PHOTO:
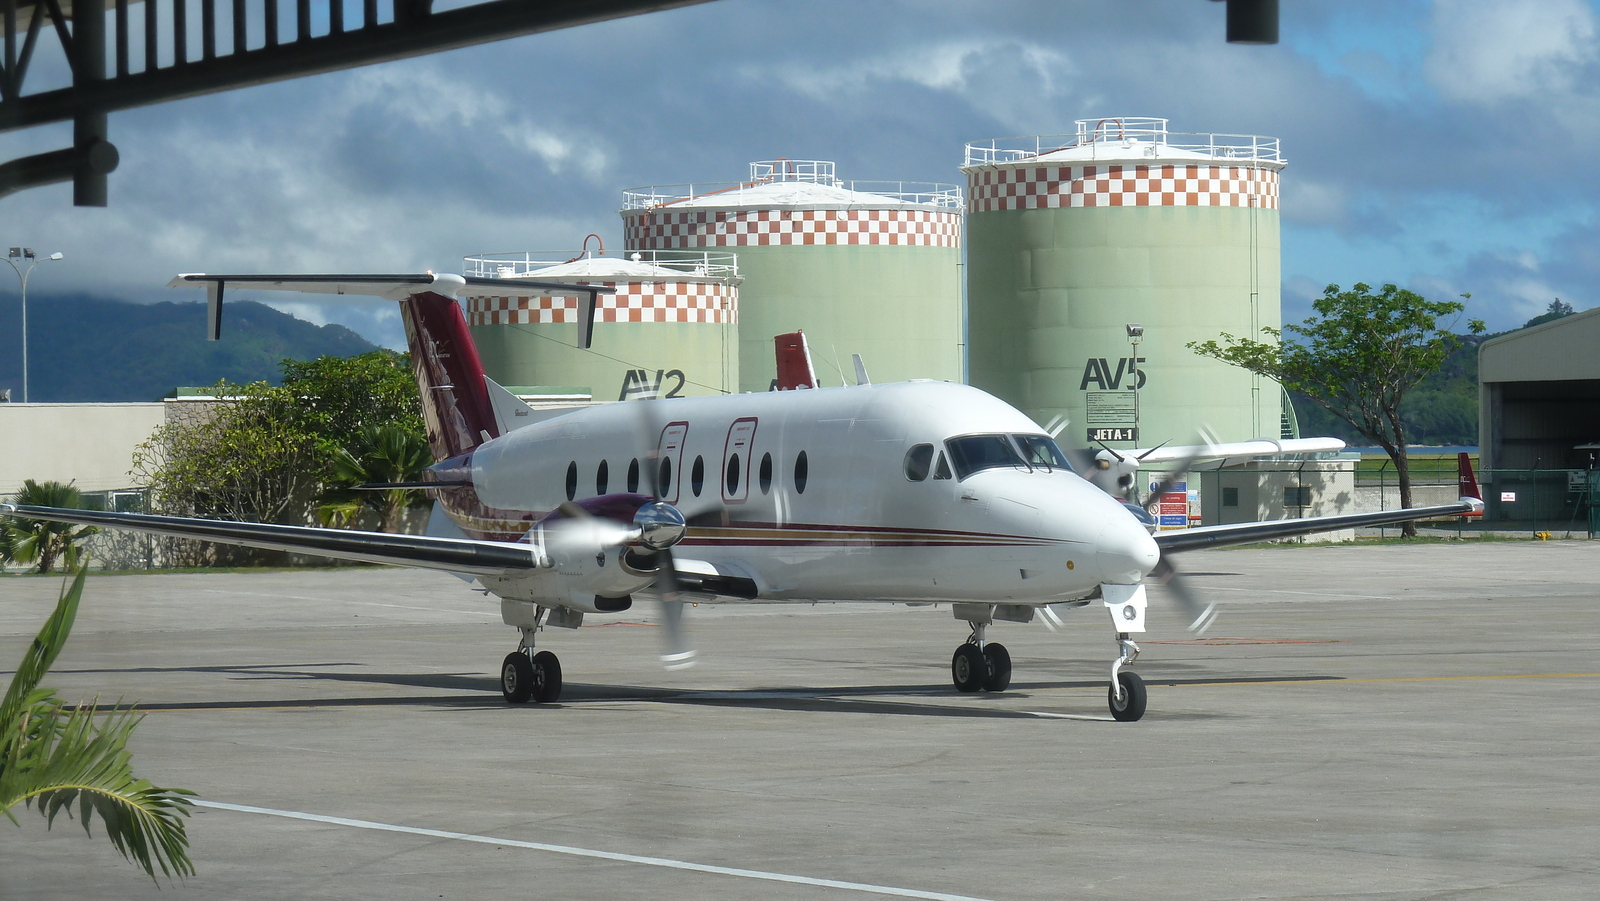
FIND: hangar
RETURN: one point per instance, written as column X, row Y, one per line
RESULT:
column 1539, row 419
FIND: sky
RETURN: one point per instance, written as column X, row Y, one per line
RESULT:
column 1444, row 146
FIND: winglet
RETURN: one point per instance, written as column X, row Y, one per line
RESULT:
column 214, row 311
column 794, row 362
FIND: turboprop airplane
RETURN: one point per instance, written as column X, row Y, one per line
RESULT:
column 913, row 492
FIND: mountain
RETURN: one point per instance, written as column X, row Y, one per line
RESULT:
column 83, row 348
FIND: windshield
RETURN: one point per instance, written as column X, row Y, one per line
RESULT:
column 1041, row 452
column 975, row 453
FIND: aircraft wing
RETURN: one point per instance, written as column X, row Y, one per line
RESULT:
column 1255, row 447
column 457, row 555
column 1251, row 532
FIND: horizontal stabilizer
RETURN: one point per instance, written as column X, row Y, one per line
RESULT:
column 392, row 287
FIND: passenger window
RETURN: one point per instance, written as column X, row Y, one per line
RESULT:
column 918, row 459
column 733, row 475
column 941, row 470
column 802, row 471
column 572, row 480
column 602, row 477
column 697, row 476
column 664, row 484
column 766, row 473
column 633, row 476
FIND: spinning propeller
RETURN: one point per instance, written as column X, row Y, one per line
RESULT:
column 1199, row 613
column 676, row 652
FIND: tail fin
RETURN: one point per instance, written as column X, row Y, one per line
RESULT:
column 794, row 362
column 455, row 399
column 1467, row 482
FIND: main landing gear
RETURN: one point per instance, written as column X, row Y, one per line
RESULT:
column 527, row 675
column 981, row 665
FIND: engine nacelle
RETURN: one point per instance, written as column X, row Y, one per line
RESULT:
column 596, row 552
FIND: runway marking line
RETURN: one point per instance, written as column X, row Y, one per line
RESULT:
column 588, row 852
column 1339, row 681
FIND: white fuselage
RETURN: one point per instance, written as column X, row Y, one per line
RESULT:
column 848, row 523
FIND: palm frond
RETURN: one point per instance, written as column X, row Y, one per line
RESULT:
column 54, row 758
column 44, row 650
column 88, row 766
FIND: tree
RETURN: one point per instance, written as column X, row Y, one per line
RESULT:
column 37, row 541
column 248, row 462
column 57, row 758
column 1557, row 310
column 381, row 453
column 1358, row 356
column 267, row 454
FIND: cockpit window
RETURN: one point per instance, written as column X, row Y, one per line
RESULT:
column 941, row 470
column 1042, row 453
column 975, row 453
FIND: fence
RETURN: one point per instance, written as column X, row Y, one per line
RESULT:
column 1535, row 500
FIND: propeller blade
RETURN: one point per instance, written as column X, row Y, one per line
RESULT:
column 677, row 652
column 1201, row 615
column 1180, row 472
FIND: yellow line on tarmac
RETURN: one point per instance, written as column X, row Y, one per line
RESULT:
column 1341, row 681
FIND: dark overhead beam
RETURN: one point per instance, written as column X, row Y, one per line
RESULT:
column 415, row 31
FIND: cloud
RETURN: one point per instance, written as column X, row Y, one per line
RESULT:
column 1433, row 149
column 1494, row 51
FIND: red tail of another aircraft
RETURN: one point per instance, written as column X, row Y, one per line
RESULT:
column 455, row 398
column 794, row 362
column 1467, row 482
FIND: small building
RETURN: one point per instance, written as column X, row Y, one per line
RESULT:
column 1279, row 488
column 1539, row 420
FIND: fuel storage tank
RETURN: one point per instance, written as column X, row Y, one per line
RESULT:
column 870, row 268
column 1075, row 238
column 670, row 330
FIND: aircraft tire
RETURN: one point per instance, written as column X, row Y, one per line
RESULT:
column 968, row 669
column 516, row 678
column 998, row 661
column 546, row 677
column 1131, row 708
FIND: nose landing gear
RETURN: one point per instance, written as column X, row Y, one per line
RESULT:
column 1127, row 696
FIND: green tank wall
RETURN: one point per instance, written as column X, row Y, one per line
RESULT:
column 898, row 307
column 1049, row 290
column 707, row 354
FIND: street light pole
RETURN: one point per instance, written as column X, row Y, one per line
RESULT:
column 1135, row 335
column 26, row 253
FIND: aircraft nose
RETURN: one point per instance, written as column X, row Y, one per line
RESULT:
column 1125, row 552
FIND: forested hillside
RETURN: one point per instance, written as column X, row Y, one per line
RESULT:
column 84, row 348
column 1443, row 410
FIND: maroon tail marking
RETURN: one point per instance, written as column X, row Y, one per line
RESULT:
column 455, row 399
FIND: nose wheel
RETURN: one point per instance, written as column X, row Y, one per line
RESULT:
column 1127, row 695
